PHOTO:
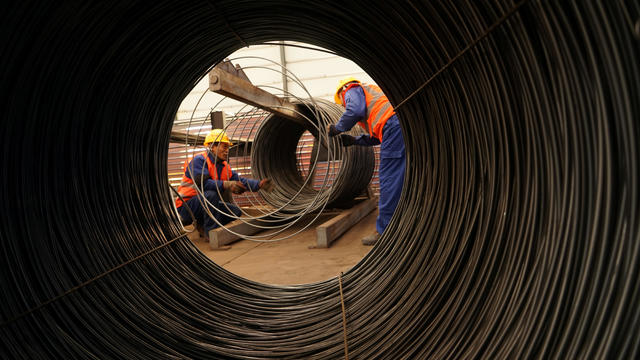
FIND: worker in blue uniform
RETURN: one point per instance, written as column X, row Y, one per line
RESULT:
column 366, row 104
column 210, row 172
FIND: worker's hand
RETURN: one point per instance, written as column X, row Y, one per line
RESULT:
column 236, row 187
column 331, row 129
column 266, row 185
column 346, row 140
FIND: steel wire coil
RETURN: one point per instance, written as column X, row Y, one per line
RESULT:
column 516, row 235
column 274, row 156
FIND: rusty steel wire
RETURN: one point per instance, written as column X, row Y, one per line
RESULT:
column 517, row 234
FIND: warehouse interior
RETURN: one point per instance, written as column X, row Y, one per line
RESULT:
column 517, row 233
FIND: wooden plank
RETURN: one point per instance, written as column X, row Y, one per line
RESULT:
column 334, row 228
column 220, row 237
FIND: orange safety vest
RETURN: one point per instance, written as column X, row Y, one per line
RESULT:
column 187, row 188
column 379, row 109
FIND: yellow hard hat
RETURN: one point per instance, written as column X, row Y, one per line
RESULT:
column 217, row 136
column 343, row 82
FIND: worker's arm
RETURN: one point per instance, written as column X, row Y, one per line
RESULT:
column 251, row 184
column 355, row 109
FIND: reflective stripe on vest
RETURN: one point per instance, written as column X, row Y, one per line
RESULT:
column 187, row 188
column 379, row 109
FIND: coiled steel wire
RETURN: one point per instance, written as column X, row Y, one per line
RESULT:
column 516, row 235
column 348, row 171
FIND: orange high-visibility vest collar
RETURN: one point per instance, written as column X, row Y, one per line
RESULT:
column 187, row 188
column 379, row 109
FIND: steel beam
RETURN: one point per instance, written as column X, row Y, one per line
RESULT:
column 191, row 139
column 239, row 89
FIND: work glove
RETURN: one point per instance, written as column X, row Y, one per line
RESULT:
column 236, row 187
column 266, row 185
column 331, row 129
column 346, row 140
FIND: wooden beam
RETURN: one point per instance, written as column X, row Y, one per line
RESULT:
column 234, row 87
column 220, row 237
column 334, row 228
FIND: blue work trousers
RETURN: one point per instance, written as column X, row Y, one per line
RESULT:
column 220, row 212
column 390, row 172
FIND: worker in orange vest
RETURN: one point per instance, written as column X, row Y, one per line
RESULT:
column 366, row 104
column 210, row 172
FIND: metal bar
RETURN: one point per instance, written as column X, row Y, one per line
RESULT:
column 217, row 120
column 283, row 64
column 191, row 139
column 234, row 87
column 241, row 145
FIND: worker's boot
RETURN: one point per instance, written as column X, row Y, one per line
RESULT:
column 203, row 234
column 371, row 239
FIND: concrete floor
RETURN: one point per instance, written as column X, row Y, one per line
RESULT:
column 292, row 261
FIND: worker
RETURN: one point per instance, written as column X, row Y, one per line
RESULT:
column 210, row 172
column 367, row 105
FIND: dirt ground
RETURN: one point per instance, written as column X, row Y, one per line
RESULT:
column 293, row 260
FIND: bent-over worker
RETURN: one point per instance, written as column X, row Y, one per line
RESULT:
column 367, row 105
column 210, row 172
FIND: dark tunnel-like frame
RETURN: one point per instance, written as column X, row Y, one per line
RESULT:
column 516, row 236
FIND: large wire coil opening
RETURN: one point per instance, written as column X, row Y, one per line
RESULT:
column 517, row 235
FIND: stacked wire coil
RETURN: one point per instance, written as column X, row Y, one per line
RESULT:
column 517, row 235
